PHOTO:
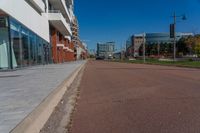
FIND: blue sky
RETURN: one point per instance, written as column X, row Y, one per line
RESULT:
column 116, row 20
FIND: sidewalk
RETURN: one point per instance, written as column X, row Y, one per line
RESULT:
column 23, row 90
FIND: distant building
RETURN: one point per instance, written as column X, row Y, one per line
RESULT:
column 105, row 50
column 133, row 45
column 81, row 51
column 161, row 38
column 134, row 42
column 117, row 55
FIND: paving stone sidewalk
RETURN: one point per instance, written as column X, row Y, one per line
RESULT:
column 23, row 90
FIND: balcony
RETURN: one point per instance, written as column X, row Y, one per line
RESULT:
column 38, row 5
column 61, row 45
column 61, row 5
column 58, row 21
column 65, row 48
column 68, row 49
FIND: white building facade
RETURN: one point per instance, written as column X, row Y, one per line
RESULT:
column 34, row 32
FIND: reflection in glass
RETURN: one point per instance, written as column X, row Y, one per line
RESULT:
column 15, row 42
column 25, row 49
column 4, row 63
column 33, row 53
column 40, row 51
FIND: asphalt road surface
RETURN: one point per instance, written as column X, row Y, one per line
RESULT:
column 134, row 98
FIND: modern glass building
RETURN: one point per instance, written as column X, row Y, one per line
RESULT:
column 161, row 38
column 34, row 32
column 21, row 47
column 105, row 50
column 134, row 42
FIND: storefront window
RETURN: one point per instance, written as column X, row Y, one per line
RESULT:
column 16, row 43
column 4, row 43
column 25, row 46
column 33, row 51
column 40, row 51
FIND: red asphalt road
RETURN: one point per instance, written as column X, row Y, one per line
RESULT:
column 134, row 98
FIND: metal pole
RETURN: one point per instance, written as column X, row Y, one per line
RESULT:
column 121, row 52
column 144, row 49
column 158, row 49
column 174, row 36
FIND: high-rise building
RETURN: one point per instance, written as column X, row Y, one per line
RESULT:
column 80, row 48
column 75, row 31
column 35, row 32
column 105, row 50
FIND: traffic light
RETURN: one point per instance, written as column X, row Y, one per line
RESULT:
column 172, row 30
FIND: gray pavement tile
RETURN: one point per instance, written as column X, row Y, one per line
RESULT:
column 23, row 90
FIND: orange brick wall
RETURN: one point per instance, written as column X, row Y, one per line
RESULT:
column 59, row 54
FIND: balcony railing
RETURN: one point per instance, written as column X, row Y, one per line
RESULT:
column 58, row 21
column 61, row 5
column 38, row 4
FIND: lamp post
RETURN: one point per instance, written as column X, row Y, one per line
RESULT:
column 144, row 48
column 183, row 17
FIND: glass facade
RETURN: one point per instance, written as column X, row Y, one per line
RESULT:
column 20, row 47
column 154, row 38
column 105, row 50
column 4, row 43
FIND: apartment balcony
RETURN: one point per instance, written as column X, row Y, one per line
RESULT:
column 68, row 49
column 58, row 21
column 38, row 5
column 61, row 5
column 65, row 48
column 60, row 45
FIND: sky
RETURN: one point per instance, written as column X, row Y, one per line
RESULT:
column 116, row 20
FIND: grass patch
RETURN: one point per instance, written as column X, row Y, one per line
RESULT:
column 186, row 63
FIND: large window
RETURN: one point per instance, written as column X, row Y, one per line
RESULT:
column 25, row 46
column 4, row 43
column 32, row 49
column 39, row 51
column 15, row 44
column 28, row 48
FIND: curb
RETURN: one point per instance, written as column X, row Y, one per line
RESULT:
column 35, row 121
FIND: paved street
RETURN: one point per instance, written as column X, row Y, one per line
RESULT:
column 23, row 90
column 134, row 98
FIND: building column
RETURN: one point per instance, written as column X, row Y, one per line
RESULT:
column 54, row 45
column 47, row 6
column 65, row 52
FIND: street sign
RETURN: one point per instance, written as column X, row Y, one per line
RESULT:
column 172, row 30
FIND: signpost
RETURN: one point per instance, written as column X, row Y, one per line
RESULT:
column 173, row 31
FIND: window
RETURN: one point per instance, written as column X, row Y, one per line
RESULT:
column 16, row 43
column 4, row 43
column 25, row 46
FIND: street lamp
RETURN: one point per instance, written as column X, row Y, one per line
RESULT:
column 173, row 30
column 144, row 47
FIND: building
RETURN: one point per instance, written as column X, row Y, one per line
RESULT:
column 34, row 32
column 80, row 49
column 162, row 38
column 133, row 45
column 75, row 31
column 105, row 50
column 134, row 42
column 117, row 55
